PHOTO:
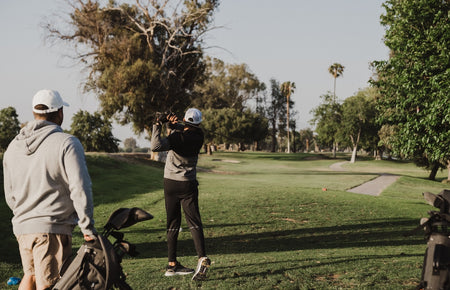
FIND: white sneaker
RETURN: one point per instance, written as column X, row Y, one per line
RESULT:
column 202, row 268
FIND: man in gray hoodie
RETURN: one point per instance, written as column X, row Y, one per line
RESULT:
column 48, row 188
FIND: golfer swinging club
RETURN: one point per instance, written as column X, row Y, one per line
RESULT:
column 181, row 187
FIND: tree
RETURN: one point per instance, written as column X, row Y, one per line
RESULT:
column 275, row 110
column 358, row 119
column 287, row 88
column 9, row 126
column 142, row 58
column 414, row 82
column 226, row 86
column 129, row 144
column 336, row 70
column 229, row 125
column 327, row 118
column 306, row 139
column 94, row 131
column 387, row 134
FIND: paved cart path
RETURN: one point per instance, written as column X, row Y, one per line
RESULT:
column 372, row 187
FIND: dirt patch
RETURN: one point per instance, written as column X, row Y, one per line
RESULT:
column 338, row 166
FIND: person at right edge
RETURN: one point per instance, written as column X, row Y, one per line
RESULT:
column 181, row 187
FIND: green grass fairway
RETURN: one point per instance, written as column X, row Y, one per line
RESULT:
column 269, row 223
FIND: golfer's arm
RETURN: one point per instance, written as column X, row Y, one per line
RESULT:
column 158, row 144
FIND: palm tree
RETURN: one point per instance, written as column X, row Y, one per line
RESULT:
column 287, row 88
column 336, row 70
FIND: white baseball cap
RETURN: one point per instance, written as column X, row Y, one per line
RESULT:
column 50, row 98
column 193, row 116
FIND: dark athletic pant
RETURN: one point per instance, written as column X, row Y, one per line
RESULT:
column 183, row 194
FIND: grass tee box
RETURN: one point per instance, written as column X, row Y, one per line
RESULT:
column 268, row 223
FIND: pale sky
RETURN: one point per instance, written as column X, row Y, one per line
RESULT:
column 288, row 40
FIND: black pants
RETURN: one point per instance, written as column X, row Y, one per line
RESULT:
column 183, row 194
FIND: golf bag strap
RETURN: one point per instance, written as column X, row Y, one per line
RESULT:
column 106, row 257
column 83, row 266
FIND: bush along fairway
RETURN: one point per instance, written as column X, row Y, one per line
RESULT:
column 281, row 221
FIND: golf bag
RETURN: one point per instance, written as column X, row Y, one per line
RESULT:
column 97, row 263
column 436, row 266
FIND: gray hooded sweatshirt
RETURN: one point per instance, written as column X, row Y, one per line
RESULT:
column 47, row 184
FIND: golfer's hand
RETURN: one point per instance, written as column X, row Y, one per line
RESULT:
column 173, row 119
column 88, row 238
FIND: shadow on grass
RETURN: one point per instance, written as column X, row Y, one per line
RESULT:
column 296, row 264
column 363, row 235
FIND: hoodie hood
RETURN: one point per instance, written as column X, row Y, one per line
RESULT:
column 33, row 134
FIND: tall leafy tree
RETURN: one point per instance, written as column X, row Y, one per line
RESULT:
column 386, row 134
column 229, row 125
column 358, row 119
column 306, row 139
column 336, row 70
column 226, row 86
column 276, row 110
column 9, row 126
column 94, row 132
column 327, row 118
column 287, row 89
column 415, row 81
column 141, row 58
column 130, row 144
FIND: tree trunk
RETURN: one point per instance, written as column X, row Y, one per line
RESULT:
column 355, row 147
column 334, row 91
column 334, row 150
column 379, row 154
column 274, row 141
column 293, row 143
column 208, row 149
column 434, row 170
column 448, row 169
column 288, row 129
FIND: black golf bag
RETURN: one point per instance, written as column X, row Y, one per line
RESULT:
column 97, row 263
column 436, row 266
